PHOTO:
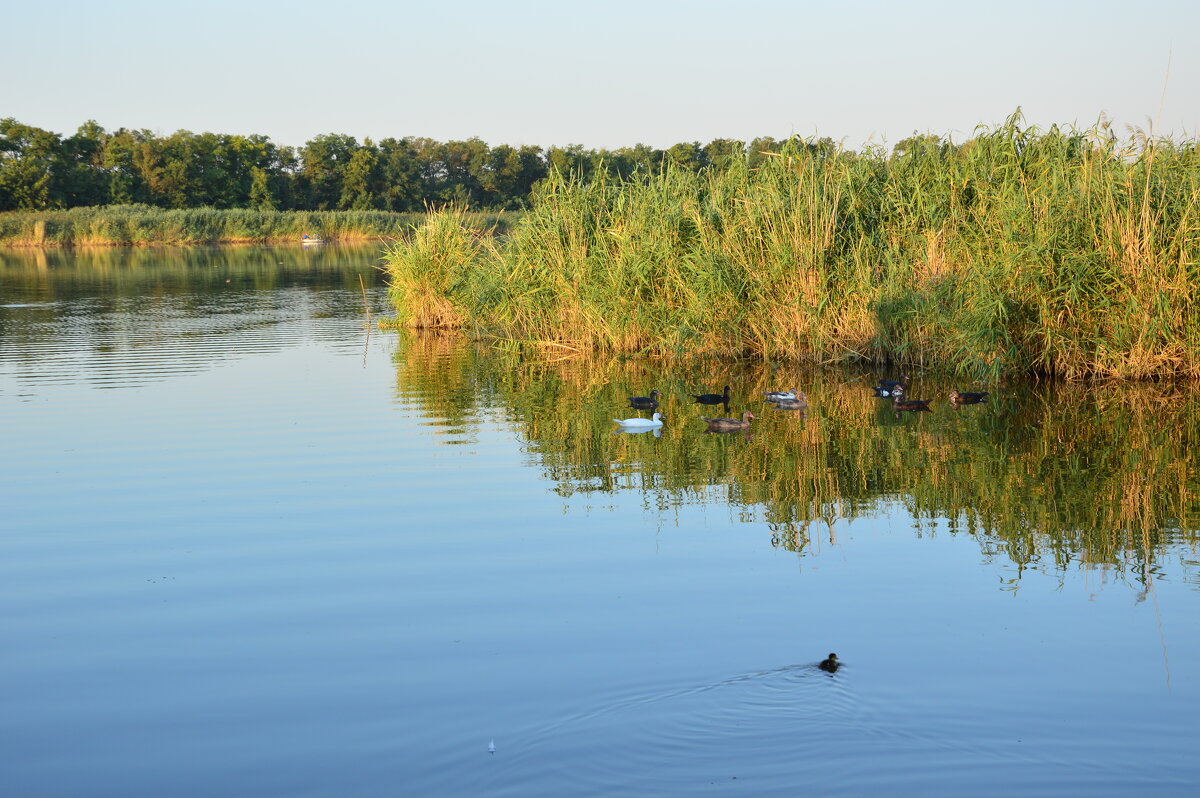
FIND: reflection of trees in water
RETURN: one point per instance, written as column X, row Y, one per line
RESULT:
column 1040, row 475
column 197, row 281
column 171, row 306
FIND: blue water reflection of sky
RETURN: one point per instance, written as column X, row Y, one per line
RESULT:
column 272, row 575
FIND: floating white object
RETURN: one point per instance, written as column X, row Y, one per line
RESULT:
column 492, row 747
column 641, row 423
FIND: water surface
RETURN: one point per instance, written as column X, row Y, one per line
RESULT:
column 249, row 549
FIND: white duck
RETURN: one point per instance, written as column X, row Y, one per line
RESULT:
column 776, row 396
column 641, row 423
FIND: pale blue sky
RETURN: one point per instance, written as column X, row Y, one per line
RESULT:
column 602, row 75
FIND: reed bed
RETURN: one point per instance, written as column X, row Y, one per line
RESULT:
column 143, row 225
column 1059, row 252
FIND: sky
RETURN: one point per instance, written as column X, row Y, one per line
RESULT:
column 603, row 75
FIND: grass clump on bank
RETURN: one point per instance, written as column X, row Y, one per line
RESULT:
column 143, row 225
column 1061, row 253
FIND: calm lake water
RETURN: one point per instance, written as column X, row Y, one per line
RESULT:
column 248, row 549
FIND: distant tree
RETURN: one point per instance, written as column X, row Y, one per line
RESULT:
column 466, row 164
column 430, row 158
column 508, row 176
column 85, row 181
column 30, row 167
column 722, row 153
column 572, row 160
column 399, row 176
column 261, row 197
column 532, row 169
column 687, row 155
column 126, row 183
column 760, row 150
column 176, row 167
column 324, row 160
column 639, row 159
column 250, row 160
column 285, row 181
column 918, row 144
column 360, row 179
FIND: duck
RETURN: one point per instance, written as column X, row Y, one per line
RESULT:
column 901, row 383
column 645, row 402
column 712, row 398
column 642, row 423
column 966, row 397
column 882, row 392
column 900, row 403
column 775, row 396
column 798, row 403
column 728, row 424
column 831, row 664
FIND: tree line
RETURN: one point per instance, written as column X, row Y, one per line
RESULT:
column 40, row 169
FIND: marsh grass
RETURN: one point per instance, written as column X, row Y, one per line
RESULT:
column 1061, row 253
column 143, row 225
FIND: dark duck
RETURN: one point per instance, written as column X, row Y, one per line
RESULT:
column 712, row 398
column 645, row 402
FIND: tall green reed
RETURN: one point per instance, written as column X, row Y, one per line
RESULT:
column 1055, row 252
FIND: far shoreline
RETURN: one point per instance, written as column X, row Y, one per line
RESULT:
column 224, row 242
column 143, row 225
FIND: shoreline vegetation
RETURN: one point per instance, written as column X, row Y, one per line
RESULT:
column 1057, row 253
column 143, row 225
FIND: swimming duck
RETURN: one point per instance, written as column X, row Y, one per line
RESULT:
column 728, row 424
column 799, row 403
column 645, row 402
column 900, row 403
column 644, row 423
column 883, row 393
column 830, row 665
column 712, row 398
column 966, row 398
column 775, row 396
column 902, row 383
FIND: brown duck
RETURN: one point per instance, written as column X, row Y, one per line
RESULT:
column 728, row 424
column 900, row 403
column 966, row 398
column 800, row 402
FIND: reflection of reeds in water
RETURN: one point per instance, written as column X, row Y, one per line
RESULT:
column 1039, row 475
